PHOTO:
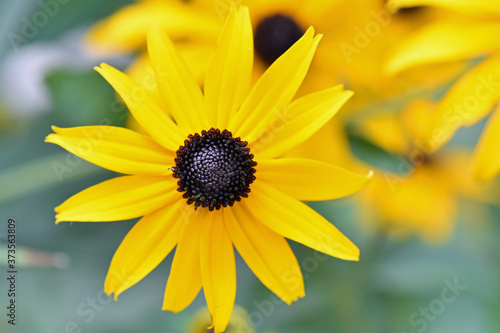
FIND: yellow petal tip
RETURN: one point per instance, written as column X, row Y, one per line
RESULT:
column 107, row 290
column 48, row 138
column 102, row 66
column 354, row 257
column 168, row 307
column 309, row 31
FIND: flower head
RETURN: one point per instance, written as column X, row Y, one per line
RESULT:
column 421, row 193
column 357, row 34
column 468, row 31
column 208, row 173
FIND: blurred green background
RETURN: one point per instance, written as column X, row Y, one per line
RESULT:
column 47, row 79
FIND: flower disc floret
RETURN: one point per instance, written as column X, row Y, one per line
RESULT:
column 214, row 169
column 276, row 34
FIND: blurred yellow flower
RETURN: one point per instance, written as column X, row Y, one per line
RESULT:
column 357, row 35
column 469, row 31
column 239, row 322
column 192, row 26
column 422, row 196
column 209, row 146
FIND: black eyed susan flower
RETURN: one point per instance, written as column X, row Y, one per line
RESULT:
column 357, row 34
column 467, row 32
column 208, row 175
column 423, row 195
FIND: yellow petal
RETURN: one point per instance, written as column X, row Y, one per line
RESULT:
column 145, row 246
column 144, row 108
column 195, row 56
column 467, row 102
column 176, row 84
column 230, row 70
column 337, row 152
column 464, row 6
column 295, row 220
column 266, row 253
column 115, row 148
column 119, row 198
column 125, row 31
column 386, row 131
column 141, row 71
column 310, row 180
column 274, row 90
column 446, row 40
column 184, row 281
column 469, row 187
column 299, row 121
column 218, row 270
column 486, row 162
column 422, row 203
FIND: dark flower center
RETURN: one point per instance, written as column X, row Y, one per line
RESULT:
column 214, row 169
column 274, row 35
column 407, row 12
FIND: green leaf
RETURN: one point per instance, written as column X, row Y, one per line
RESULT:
column 374, row 155
column 84, row 98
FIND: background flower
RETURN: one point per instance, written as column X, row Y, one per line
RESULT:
column 467, row 32
column 383, row 292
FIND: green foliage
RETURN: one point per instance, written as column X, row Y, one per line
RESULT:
column 378, row 294
column 84, row 98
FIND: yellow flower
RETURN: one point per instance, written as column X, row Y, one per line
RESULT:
column 192, row 26
column 468, row 32
column 222, row 149
column 421, row 195
column 425, row 198
column 357, row 35
column 240, row 321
